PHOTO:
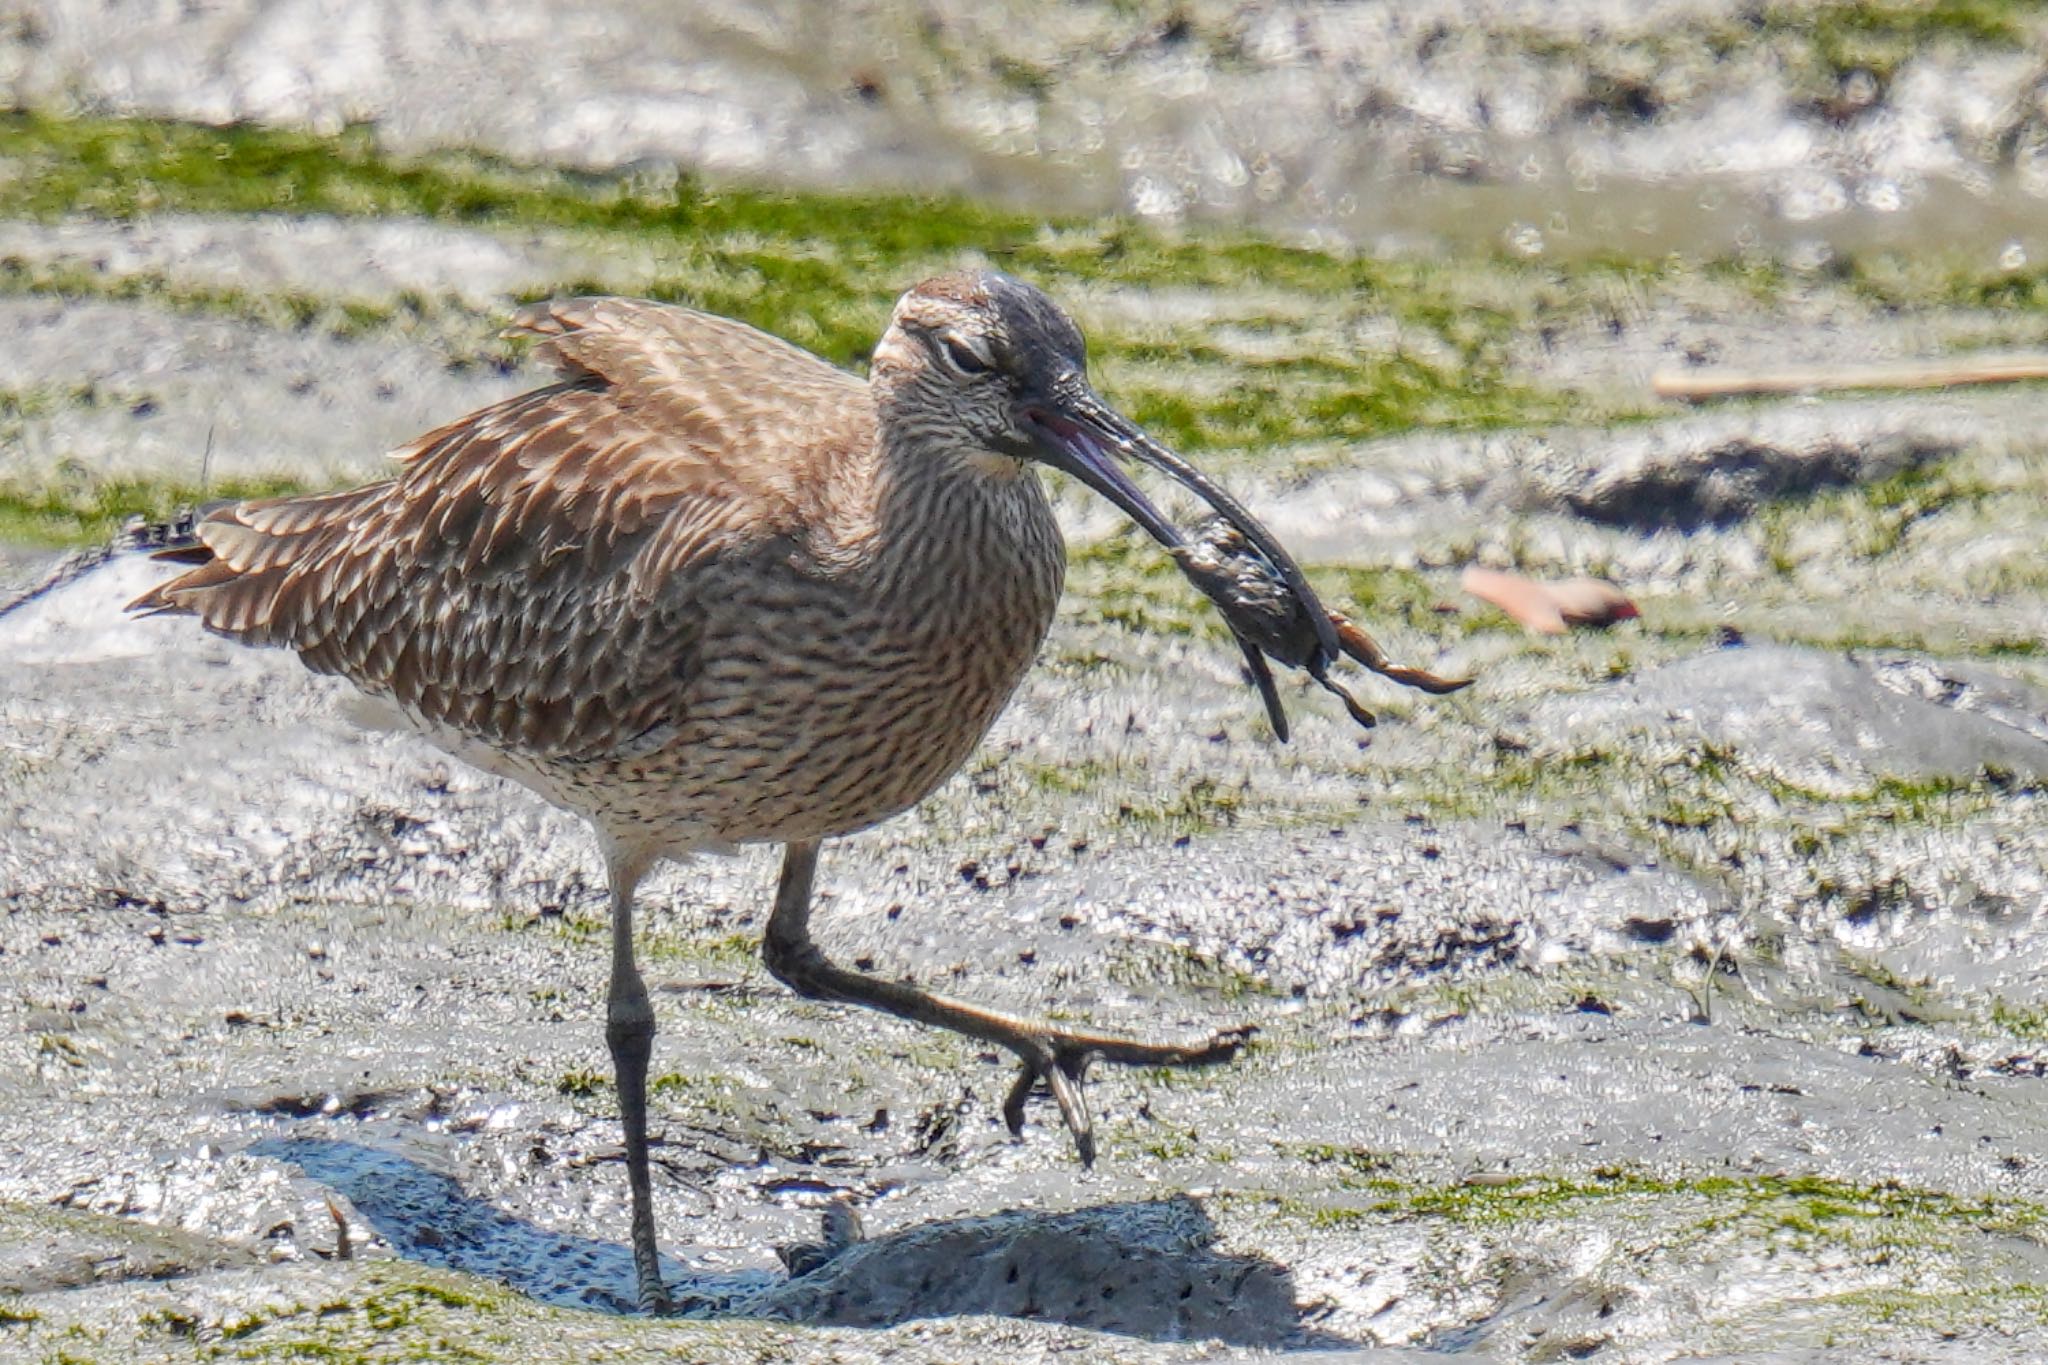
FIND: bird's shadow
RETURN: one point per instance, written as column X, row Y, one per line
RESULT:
column 1146, row 1269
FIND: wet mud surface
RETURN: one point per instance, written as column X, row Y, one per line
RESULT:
column 315, row 1012
column 1676, row 991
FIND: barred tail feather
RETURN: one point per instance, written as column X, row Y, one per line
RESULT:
column 246, row 558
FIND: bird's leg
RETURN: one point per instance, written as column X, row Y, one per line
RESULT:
column 629, row 1031
column 1057, row 1056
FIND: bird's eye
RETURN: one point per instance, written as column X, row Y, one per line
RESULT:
column 963, row 357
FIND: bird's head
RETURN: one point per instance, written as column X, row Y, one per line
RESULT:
column 988, row 370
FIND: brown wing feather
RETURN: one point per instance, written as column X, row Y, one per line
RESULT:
column 526, row 578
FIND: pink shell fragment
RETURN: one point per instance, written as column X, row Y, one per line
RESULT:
column 1549, row 608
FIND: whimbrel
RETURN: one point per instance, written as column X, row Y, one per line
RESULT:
column 708, row 590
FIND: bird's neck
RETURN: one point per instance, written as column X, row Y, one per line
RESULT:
column 970, row 530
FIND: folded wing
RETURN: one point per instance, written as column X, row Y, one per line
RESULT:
column 532, row 576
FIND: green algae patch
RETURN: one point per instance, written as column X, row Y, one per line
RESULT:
column 2024, row 1022
column 1357, row 1167
column 130, row 168
column 785, row 262
column 822, row 270
column 1842, row 39
column 81, row 510
column 1279, row 353
column 1807, row 1204
column 1300, row 400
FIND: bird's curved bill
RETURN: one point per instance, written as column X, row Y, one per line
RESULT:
column 1083, row 436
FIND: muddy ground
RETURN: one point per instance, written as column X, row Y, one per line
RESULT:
column 1529, row 1082
column 1676, row 991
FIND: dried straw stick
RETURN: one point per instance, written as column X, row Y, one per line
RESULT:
column 1694, row 385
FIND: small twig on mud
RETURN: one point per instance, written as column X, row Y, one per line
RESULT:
column 1695, row 385
column 344, row 1249
column 206, row 464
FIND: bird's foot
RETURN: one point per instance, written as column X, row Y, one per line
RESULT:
column 1061, row 1060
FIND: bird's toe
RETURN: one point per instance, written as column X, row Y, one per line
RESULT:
column 1063, row 1069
